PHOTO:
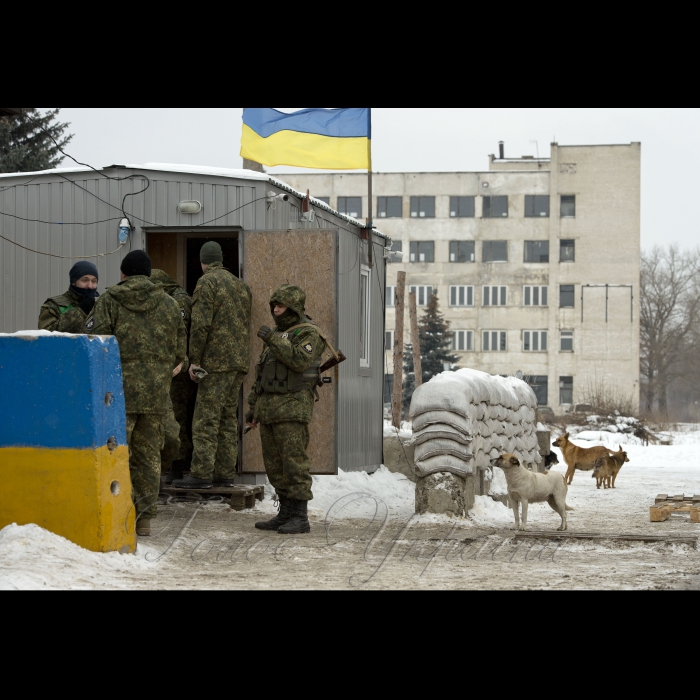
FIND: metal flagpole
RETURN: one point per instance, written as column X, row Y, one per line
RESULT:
column 370, row 218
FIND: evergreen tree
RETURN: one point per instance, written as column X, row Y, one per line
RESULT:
column 24, row 144
column 435, row 351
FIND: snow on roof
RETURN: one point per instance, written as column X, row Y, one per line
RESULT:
column 238, row 174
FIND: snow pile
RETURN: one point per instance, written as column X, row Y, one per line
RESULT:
column 32, row 558
column 614, row 430
column 462, row 420
column 491, row 513
column 405, row 432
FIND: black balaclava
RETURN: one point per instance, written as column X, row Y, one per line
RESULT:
column 80, row 269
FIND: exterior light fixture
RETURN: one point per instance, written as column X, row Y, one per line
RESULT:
column 190, row 206
column 124, row 231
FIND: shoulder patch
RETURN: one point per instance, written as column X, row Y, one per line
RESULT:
column 90, row 324
column 309, row 348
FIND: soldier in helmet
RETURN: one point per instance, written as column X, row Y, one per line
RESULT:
column 282, row 404
column 68, row 312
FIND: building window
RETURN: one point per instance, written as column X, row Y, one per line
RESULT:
column 462, row 251
column 494, row 251
column 462, row 207
column 462, row 296
column 536, row 205
column 389, row 207
column 539, row 384
column 365, row 315
column 389, row 341
column 423, row 294
column 463, row 341
column 566, row 296
column 423, row 207
column 391, row 296
column 325, row 200
column 566, row 390
column 568, row 206
column 536, row 251
column 494, row 341
column 535, row 296
column 350, row 206
column 494, row 296
column 422, row 251
column 534, row 341
column 396, row 252
column 567, row 341
column 495, row 207
column 567, row 251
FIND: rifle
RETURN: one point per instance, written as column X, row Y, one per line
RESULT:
column 333, row 362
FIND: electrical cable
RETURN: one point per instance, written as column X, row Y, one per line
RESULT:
column 21, row 184
column 67, row 257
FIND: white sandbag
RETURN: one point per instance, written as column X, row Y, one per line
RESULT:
column 434, row 448
column 440, row 430
column 444, row 463
column 464, row 425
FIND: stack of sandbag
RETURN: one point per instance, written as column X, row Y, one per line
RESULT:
column 462, row 420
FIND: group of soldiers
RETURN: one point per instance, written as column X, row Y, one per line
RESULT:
column 174, row 346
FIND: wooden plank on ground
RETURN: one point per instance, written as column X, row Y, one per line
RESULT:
column 672, row 539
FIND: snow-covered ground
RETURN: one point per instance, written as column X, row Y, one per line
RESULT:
column 32, row 558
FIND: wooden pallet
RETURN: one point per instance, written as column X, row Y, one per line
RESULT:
column 566, row 535
column 664, row 506
column 238, row 497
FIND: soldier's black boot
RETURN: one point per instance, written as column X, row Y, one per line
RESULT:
column 285, row 513
column 299, row 523
column 175, row 471
column 192, row 482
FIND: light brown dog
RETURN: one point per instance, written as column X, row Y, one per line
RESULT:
column 607, row 468
column 525, row 487
column 581, row 458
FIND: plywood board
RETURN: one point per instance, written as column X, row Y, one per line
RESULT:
column 306, row 259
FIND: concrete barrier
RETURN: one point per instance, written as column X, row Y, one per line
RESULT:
column 64, row 462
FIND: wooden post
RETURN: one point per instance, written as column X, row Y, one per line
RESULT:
column 398, row 350
column 415, row 338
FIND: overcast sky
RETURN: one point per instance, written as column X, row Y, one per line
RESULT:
column 427, row 139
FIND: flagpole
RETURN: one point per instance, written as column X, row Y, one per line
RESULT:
column 370, row 218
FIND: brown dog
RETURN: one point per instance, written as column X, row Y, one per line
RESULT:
column 581, row 458
column 607, row 468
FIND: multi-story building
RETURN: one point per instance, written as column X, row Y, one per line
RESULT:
column 536, row 262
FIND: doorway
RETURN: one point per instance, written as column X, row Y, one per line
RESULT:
column 229, row 247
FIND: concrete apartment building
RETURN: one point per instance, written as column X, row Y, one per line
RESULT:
column 536, row 262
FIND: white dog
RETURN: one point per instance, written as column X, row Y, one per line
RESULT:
column 525, row 487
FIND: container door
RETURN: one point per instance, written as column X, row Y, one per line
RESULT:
column 306, row 259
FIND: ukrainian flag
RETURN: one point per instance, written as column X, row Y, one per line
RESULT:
column 328, row 139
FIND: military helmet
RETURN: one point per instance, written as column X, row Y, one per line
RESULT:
column 292, row 297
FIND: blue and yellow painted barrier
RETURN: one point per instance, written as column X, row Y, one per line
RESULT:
column 64, row 462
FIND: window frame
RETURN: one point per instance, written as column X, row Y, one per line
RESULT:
column 418, row 252
column 529, row 288
column 354, row 216
column 467, row 289
column 535, row 262
column 573, row 293
column 535, row 337
column 562, row 389
column 365, row 318
column 490, row 244
column 570, row 336
column 485, row 343
column 386, row 214
column 563, row 246
column 427, row 295
column 389, row 335
column 531, row 206
column 456, row 211
column 537, row 379
column 468, row 340
column 418, row 209
column 502, row 290
column 390, row 295
column 561, row 206
column 458, row 244
column 490, row 209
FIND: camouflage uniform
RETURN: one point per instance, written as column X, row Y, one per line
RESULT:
column 62, row 314
column 178, row 443
column 152, row 342
column 284, row 414
column 220, row 344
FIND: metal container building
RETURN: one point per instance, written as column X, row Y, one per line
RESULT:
column 50, row 219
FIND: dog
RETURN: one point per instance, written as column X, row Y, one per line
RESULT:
column 550, row 460
column 525, row 487
column 607, row 468
column 581, row 458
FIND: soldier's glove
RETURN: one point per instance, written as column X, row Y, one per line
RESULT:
column 249, row 417
column 265, row 332
column 87, row 305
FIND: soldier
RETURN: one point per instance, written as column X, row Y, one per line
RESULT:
column 177, row 448
column 219, row 344
column 67, row 313
column 282, row 403
column 152, row 341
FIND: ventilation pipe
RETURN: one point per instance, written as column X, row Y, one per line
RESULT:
column 501, row 150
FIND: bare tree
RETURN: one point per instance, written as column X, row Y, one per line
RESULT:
column 670, row 308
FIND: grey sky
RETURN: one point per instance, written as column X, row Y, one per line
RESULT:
column 428, row 139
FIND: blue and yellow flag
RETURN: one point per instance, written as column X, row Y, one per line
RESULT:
column 328, row 139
